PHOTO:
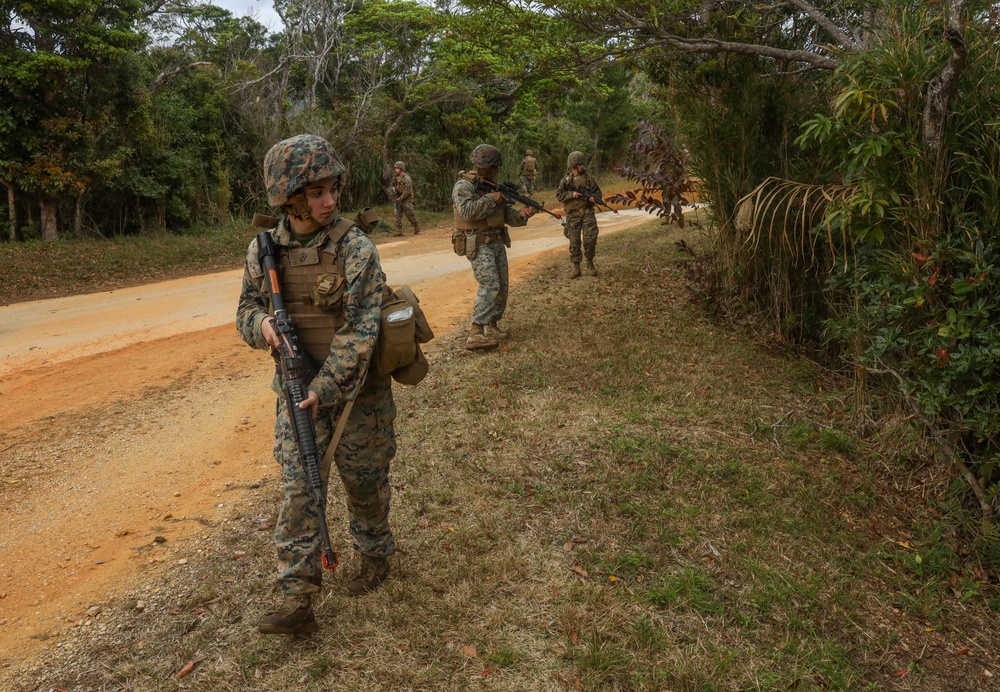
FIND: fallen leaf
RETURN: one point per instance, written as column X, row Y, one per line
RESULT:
column 122, row 534
column 555, row 591
column 568, row 546
column 964, row 651
column 574, row 637
column 487, row 672
column 166, row 516
column 579, row 570
column 901, row 673
column 403, row 647
column 186, row 670
column 612, row 577
column 580, row 539
column 558, row 651
column 469, row 650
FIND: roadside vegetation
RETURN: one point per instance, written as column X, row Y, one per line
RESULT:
column 627, row 495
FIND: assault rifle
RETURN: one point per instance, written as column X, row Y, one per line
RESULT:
column 509, row 190
column 589, row 195
column 296, row 372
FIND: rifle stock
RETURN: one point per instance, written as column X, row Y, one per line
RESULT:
column 296, row 373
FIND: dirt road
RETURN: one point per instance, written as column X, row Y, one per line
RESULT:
column 138, row 413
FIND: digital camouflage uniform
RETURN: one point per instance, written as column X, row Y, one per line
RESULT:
column 403, row 189
column 581, row 222
column 529, row 169
column 490, row 263
column 368, row 442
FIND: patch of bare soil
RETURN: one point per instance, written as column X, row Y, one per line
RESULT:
column 109, row 458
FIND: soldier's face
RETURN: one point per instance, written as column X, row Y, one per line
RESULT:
column 578, row 168
column 399, row 171
column 323, row 197
column 490, row 173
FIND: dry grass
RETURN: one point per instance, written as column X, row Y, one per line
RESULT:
column 624, row 496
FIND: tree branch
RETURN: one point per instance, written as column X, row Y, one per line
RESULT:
column 167, row 74
column 712, row 45
column 838, row 34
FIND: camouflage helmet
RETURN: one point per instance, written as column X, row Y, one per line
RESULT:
column 293, row 163
column 400, row 165
column 485, row 156
column 528, row 153
column 576, row 158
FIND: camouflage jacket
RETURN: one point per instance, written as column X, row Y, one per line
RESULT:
column 474, row 205
column 404, row 187
column 354, row 343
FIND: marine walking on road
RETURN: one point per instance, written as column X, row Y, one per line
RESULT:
column 402, row 186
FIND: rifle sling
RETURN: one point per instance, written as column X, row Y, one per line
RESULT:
column 335, row 441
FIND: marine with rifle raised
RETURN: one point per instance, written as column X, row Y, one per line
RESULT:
column 581, row 223
column 482, row 214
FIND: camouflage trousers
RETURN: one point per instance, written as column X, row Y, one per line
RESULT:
column 405, row 209
column 527, row 185
column 362, row 460
column 490, row 269
column 581, row 222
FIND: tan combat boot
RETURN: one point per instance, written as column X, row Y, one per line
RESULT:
column 478, row 341
column 294, row 617
column 398, row 231
column 492, row 331
column 576, row 271
column 373, row 572
column 416, row 229
column 591, row 268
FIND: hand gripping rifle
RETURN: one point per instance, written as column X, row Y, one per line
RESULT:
column 296, row 372
column 509, row 190
column 589, row 196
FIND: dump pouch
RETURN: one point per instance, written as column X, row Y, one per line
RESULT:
column 415, row 372
column 458, row 242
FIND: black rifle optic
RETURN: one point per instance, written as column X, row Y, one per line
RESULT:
column 589, row 195
column 296, row 372
column 509, row 190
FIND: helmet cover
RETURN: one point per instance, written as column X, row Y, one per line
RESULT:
column 485, row 156
column 296, row 162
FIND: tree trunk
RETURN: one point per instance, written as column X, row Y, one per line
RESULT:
column 48, row 206
column 11, row 212
column 78, row 216
column 279, row 101
column 387, row 161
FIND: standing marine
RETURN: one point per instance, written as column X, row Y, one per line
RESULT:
column 529, row 169
column 333, row 284
column 402, row 187
column 581, row 222
column 481, row 220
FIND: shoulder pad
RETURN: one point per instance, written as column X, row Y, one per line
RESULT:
column 253, row 261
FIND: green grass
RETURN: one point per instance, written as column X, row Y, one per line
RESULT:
column 626, row 495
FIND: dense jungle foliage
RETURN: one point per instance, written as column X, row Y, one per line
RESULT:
column 849, row 148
